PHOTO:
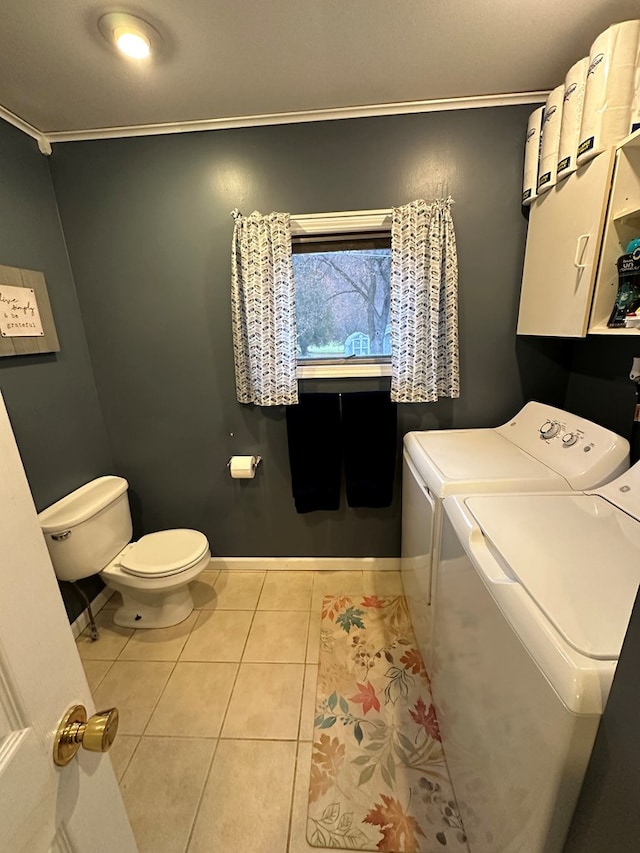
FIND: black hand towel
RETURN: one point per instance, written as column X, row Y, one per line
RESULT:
column 369, row 448
column 313, row 435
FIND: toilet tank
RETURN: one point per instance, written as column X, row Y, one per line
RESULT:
column 86, row 529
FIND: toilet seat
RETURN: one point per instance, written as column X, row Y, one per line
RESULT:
column 165, row 553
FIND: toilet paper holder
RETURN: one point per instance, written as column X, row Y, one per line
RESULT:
column 256, row 460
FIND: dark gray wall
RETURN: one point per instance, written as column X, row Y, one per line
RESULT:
column 599, row 387
column 607, row 816
column 51, row 399
column 149, row 234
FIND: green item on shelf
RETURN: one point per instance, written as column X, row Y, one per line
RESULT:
column 628, row 296
column 633, row 245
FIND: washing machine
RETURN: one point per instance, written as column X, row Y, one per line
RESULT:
column 534, row 595
column 540, row 449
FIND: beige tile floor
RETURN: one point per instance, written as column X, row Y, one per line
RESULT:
column 216, row 714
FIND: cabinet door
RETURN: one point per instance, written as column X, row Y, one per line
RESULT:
column 563, row 246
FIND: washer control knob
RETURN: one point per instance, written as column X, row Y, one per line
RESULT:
column 569, row 439
column 549, row 429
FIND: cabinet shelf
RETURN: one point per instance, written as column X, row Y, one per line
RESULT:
column 626, row 215
column 605, row 330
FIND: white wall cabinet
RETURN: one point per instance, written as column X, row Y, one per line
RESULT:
column 576, row 233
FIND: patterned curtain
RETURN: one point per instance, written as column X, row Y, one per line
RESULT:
column 424, row 303
column 263, row 310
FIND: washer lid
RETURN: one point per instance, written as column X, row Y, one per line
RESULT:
column 165, row 553
column 452, row 461
column 575, row 555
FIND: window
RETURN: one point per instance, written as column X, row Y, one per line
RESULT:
column 342, row 296
column 342, row 267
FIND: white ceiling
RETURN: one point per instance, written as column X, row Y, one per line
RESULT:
column 229, row 59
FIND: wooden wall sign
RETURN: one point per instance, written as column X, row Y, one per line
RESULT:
column 26, row 321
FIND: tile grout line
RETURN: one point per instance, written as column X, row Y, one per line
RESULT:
column 126, row 767
column 297, row 752
column 235, row 680
column 222, row 722
column 304, row 676
column 292, row 798
column 129, row 638
column 164, row 687
column 199, row 803
column 102, row 678
column 213, row 737
column 317, row 615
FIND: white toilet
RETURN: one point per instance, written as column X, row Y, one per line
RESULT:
column 89, row 531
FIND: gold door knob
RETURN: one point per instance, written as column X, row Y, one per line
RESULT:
column 96, row 734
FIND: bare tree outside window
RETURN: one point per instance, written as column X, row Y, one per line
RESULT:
column 341, row 294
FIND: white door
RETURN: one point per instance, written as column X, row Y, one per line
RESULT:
column 72, row 809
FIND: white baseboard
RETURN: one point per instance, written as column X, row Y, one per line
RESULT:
column 97, row 604
column 306, row 564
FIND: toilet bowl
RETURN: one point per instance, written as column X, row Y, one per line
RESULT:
column 89, row 532
column 153, row 576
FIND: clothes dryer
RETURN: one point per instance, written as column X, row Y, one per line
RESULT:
column 540, row 449
column 534, row 594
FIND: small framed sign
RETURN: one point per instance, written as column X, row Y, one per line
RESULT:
column 26, row 320
column 19, row 315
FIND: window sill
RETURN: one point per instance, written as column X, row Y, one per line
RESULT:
column 341, row 371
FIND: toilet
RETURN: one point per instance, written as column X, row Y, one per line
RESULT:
column 89, row 532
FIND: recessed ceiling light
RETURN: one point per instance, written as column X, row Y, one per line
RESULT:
column 132, row 43
column 132, row 36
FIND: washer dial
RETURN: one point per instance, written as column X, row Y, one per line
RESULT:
column 549, row 429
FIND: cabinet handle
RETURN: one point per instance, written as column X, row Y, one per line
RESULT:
column 580, row 247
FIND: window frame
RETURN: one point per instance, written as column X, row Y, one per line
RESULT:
column 333, row 225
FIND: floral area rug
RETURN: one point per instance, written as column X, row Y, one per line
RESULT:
column 378, row 775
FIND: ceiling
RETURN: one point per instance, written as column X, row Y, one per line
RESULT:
column 254, row 60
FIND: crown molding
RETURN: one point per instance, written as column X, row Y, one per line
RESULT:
column 41, row 138
column 46, row 138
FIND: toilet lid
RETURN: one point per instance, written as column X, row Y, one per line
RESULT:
column 165, row 553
